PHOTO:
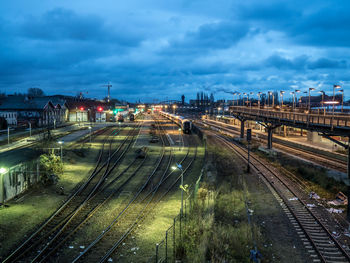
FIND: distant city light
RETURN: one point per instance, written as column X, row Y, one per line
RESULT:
column 331, row 102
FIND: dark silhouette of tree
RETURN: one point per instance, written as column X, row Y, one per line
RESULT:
column 35, row 92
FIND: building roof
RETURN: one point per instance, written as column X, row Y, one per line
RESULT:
column 24, row 103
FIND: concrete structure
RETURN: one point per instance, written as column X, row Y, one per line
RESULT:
column 328, row 125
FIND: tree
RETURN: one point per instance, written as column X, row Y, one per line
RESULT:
column 50, row 166
column 35, row 92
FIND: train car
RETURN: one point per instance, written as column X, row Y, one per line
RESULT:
column 122, row 116
column 185, row 124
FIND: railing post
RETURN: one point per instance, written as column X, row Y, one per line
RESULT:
column 157, row 246
column 166, row 246
column 174, row 243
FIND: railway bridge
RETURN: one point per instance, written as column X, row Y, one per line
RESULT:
column 327, row 125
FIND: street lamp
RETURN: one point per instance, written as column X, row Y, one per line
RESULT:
column 342, row 98
column 219, row 109
column 322, row 102
column 259, row 93
column 179, row 138
column 273, row 98
column 293, row 93
column 250, row 101
column 335, row 87
column 281, row 93
column 179, row 166
column 90, row 128
column 61, row 144
column 296, row 98
column 310, row 89
column 174, row 107
column 244, row 94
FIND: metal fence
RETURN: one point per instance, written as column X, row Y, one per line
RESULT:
column 166, row 249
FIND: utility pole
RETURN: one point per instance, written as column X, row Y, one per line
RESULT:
column 249, row 138
column 109, row 91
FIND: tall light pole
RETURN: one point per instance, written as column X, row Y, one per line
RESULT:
column 174, row 107
column 273, row 98
column 244, row 94
column 281, row 93
column 251, row 93
column 342, row 98
column 179, row 138
column 335, row 87
column 310, row 89
column 296, row 98
column 322, row 102
column 293, row 93
column 90, row 128
column 61, row 144
column 179, row 166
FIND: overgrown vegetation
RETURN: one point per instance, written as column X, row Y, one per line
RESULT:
column 217, row 228
column 316, row 177
column 50, row 168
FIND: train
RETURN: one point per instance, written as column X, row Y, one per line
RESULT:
column 122, row 115
column 132, row 116
column 185, row 124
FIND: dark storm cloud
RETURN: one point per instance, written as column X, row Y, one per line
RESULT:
column 303, row 62
column 279, row 62
column 61, row 24
column 209, row 36
column 173, row 48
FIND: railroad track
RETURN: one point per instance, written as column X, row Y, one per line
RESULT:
column 40, row 242
column 320, row 243
column 133, row 213
column 328, row 162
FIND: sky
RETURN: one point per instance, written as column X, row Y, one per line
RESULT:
column 155, row 50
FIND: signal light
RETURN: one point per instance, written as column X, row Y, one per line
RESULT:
column 99, row 108
column 81, row 108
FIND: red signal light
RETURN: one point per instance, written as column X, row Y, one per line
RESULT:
column 99, row 108
column 81, row 108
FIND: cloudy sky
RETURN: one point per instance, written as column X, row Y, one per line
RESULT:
column 156, row 49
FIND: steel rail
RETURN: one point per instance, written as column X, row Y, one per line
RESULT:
column 290, row 207
column 87, row 198
column 81, row 187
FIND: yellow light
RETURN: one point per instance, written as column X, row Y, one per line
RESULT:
column 3, row 170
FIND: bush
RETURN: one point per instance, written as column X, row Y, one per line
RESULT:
column 50, row 167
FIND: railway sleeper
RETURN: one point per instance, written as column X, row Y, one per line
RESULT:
column 332, row 254
column 335, row 258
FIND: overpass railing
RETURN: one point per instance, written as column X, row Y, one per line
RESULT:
column 340, row 121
